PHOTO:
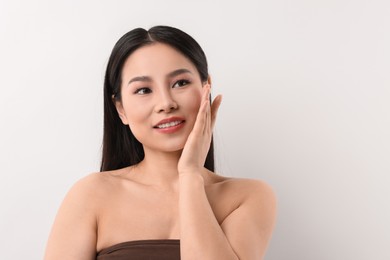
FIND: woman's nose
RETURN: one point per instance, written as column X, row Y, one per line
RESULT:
column 165, row 102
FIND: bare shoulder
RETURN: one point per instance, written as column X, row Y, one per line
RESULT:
column 256, row 189
column 86, row 194
column 96, row 184
column 258, row 198
column 250, row 223
column 74, row 231
column 246, row 189
column 87, row 183
column 73, row 234
column 92, row 180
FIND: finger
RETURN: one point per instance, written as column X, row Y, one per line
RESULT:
column 208, row 129
column 200, row 121
column 207, row 122
column 214, row 110
column 206, row 92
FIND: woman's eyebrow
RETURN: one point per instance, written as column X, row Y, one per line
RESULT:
column 149, row 79
column 178, row 72
column 140, row 78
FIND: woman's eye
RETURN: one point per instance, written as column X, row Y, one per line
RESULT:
column 181, row 83
column 142, row 91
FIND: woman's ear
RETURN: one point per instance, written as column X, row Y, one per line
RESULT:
column 121, row 112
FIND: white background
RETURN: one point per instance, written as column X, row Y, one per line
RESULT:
column 306, row 107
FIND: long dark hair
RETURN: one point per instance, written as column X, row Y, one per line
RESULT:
column 120, row 147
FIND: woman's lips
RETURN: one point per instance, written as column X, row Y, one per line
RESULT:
column 170, row 125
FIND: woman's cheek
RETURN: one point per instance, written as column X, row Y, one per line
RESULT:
column 194, row 100
column 138, row 120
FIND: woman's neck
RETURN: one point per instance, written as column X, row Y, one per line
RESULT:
column 160, row 168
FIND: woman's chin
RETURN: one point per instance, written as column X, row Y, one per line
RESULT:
column 171, row 148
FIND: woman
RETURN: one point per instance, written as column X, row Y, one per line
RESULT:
column 157, row 196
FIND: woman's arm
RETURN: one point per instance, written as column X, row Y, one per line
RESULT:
column 245, row 232
column 249, row 227
column 73, row 235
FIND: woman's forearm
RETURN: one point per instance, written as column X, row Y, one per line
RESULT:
column 201, row 236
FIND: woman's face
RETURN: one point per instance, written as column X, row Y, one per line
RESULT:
column 159, row 83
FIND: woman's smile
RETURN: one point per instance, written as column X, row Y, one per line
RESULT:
column 170, row 125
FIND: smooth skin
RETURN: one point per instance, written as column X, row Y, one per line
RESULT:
column 169, row 195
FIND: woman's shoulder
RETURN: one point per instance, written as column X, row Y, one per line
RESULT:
column 97, row 184
column 91, row 181
column 236, row 198
column 247, row 192
column 242, row 185
column 76, row 222
column 240, row 191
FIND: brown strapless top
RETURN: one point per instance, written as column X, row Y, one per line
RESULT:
column 161, row 249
